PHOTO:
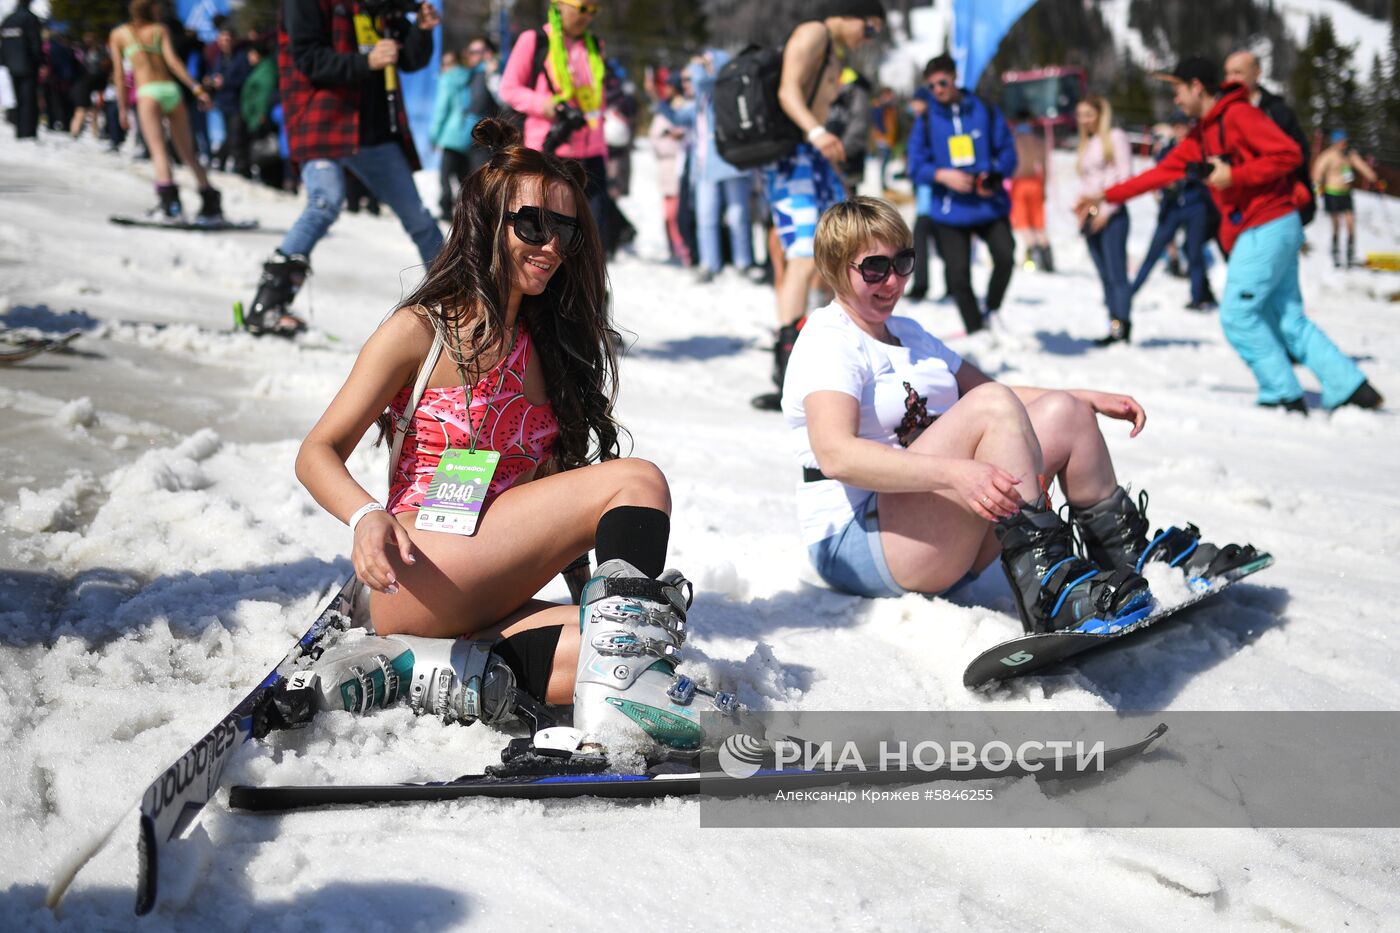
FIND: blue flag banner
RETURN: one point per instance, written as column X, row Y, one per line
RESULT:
column 198, row 16
column 417, row 92
column 978, row 28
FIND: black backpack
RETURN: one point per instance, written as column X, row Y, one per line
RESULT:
column 751, row 129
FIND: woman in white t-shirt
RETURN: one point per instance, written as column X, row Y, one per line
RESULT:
column 919, row 469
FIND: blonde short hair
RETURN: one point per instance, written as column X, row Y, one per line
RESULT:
column 850, row 227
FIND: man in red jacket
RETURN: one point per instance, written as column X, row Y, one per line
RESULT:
column 1249, row 163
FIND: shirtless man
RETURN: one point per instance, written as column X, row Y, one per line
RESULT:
column 804, row 184
column 1334, row 173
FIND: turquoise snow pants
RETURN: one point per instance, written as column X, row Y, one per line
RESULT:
column 1262, row 316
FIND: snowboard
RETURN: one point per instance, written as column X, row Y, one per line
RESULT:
column 222, row 226
column 1030, row 653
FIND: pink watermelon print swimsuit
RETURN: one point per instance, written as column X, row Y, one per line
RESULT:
column 523, row 433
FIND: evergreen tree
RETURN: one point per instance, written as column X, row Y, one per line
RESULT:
column 1325, row 92
column 81, row 16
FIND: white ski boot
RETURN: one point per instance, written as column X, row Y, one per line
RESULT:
column 632, row 628
column 455, row 679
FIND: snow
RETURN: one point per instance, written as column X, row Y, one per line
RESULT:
column 158, row 555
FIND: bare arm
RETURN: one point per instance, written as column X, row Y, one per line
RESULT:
column 177, row 67
column 1320, row 169
column 802, row 63
column 388, row 361
column 832, row 421
column 1108, row 404
column 114, row 47
column 1363, row 168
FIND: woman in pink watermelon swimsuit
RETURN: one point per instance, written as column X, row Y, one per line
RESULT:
column 527, row 370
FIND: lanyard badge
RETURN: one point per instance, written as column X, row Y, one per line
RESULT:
column 458, row 491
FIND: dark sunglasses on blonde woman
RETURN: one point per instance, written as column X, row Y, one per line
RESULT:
column 875, row 269
column 537, row 227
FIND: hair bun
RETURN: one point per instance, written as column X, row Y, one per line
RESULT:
column 495, row 135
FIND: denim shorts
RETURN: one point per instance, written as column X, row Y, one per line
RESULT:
column 853, row 560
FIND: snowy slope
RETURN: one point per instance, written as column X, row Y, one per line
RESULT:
column 158, row 555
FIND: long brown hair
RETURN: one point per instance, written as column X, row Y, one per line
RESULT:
column 467, row 289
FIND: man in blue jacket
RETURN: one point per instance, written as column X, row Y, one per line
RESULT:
column 963, row 149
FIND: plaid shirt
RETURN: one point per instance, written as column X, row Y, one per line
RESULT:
column 323, row 120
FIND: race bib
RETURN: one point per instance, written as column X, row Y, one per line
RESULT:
column 457, row 491
column 960, row 150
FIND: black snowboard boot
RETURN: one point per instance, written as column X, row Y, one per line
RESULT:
column 168, row 207
column 282, row 278
column 211, row 206
column 1114, row 533
column 1057, row 589
column 1047, row 259
column 1365, row 396
column 782, row 350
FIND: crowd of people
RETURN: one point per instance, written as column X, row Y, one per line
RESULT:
column 917, row 468
column 227, row 95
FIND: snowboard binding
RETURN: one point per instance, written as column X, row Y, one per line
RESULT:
column 1114, row 534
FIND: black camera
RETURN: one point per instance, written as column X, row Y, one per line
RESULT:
column 568, row 120
column 990, row 182
column 389, row 9
column 1199, row 171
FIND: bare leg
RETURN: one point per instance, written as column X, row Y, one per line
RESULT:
column 932, row 539
column 1073, row 447
column 792, row 295
column 539, row 614
column 775, row 256
column 183, row 138
column 465, row 585
column 148, row 115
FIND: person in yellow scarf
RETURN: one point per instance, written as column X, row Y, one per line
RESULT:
column 554, row 76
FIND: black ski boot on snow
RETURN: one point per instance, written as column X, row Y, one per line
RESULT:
column 282, row 278
column 782, row 349
column 1057, row 589
column 211, row 207
column 168, row 208
column 1114, row 533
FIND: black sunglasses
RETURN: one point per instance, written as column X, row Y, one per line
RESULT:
column 537, row 227
column 875, row 269
column 941, row 82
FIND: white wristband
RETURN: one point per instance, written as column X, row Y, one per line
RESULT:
column 816, row 133
column 364, row 510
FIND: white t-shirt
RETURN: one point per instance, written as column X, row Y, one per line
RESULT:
column 900, row 390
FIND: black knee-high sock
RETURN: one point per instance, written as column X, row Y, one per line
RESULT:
column 636, row 534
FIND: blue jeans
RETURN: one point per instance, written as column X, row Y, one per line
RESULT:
column 734, row 193
column 1262, row 316
column 385, row 172
column 1109, row 249
column 1195, row 218
column 853, row 559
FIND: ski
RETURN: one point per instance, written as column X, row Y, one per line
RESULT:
column 649, row 785
column 173, row 801
column 1030, row 653
column 218, row 226
column 16, row 350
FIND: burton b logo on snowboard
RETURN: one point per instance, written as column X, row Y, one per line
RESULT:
column 1017, row 659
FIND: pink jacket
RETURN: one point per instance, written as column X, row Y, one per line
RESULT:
column 537, row 103
column 1096, row 175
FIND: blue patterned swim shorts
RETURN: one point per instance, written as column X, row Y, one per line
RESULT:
column 800, row 188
